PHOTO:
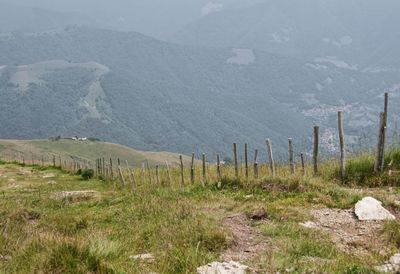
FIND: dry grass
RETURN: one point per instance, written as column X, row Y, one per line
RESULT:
column 184, row 226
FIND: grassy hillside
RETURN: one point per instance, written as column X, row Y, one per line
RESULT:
column 308, row 227
column 84, row 151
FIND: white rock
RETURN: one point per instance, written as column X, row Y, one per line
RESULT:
column 386, row 268
column 392, row 266
column 223, row 268
column 369, row 209
column 144, row 257
column 395, row 259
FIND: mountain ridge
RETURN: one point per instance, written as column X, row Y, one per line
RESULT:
column 163, row 96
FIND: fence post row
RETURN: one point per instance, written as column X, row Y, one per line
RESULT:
column 106, row 170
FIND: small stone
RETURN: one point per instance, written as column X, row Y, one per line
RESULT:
column 49, row 175
column 223, row 268
column 258, row 214
column 144, row 257
column 309, row 224
column 290, row 270
column 5, row 258
column 370, row 209
column 247, row 197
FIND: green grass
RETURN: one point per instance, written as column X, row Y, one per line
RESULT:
column 392, row 232
column 182, row 226
column 360, row 171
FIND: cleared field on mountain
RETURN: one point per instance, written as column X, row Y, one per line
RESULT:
column 83, row 151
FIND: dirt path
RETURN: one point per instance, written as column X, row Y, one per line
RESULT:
column 246, row 242
column 347, row 232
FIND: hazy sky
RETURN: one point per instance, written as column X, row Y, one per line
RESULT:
column 159, row 18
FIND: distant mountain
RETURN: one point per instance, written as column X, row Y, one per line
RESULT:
column 360, row 32
column 138, row 91
column 31, row 19
column 157, row 18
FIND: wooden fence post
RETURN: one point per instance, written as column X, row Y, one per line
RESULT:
column 342, row 146
column 101, row 162
column 256, row 164
column 204, row 169
column 386, row 106
column 182, row 174
column 54, row 161
column 111, row 169
column 149, row 171
column 246, row 163
column 121, row 176
column 235, row 157
column 168, row 173
column 192, row 169
column 271, row 157
column 129, row 172
column 132, row 173
column 218, row 167
column 378, row 162
column 316, row 149
column 103, row 167
column 291, row 157
column 143, row 172
column 303, row 166
column 158, row 174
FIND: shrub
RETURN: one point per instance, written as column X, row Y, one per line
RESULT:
column 87, row 174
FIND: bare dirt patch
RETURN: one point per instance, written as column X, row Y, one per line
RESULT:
column 347, row 232
column 246, row 242
column 81, row 195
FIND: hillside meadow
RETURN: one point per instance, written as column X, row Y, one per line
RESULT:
column 54, row 221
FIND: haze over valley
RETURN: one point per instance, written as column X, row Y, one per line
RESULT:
column 197, row 75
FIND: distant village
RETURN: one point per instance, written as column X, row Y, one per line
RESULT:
column 74, row 138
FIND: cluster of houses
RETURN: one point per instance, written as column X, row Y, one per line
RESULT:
column 75, row 138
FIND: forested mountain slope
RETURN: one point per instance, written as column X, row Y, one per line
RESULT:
column 135, row 90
